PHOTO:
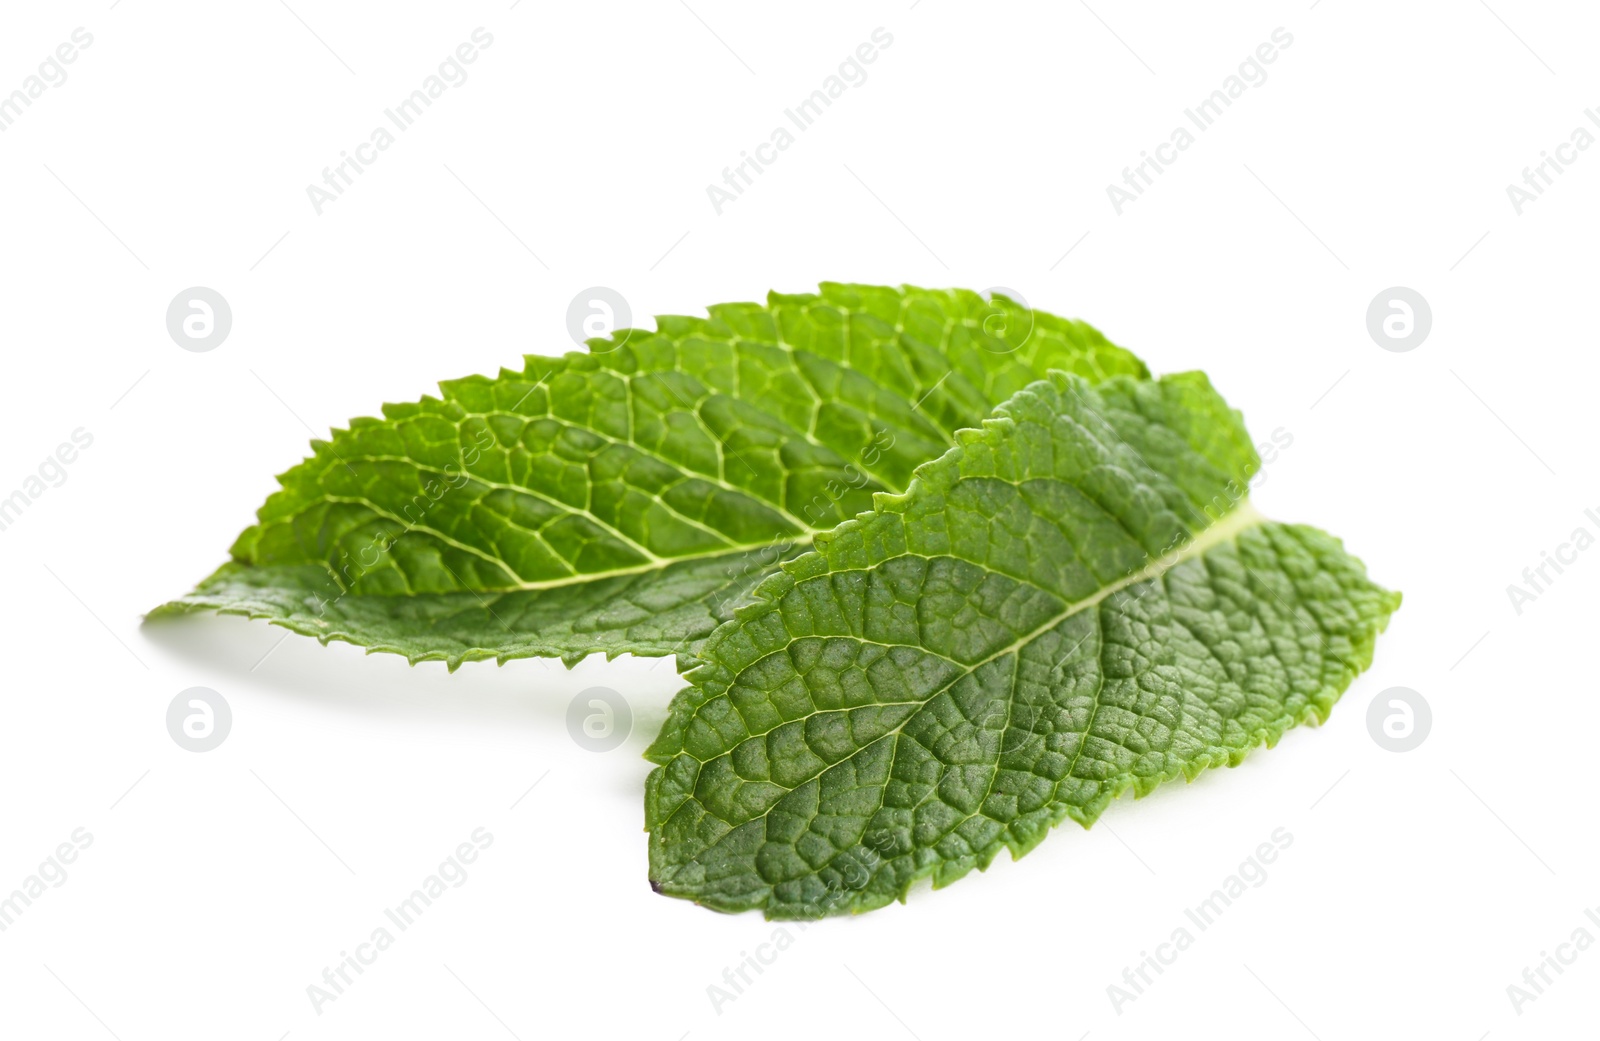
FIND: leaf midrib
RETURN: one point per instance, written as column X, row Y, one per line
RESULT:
column 1243, row 517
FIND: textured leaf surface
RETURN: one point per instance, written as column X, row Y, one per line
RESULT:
column 1074, row 602
column 624, row 499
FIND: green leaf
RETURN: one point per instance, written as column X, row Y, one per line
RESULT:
column 1075, row 601
column 622, row 500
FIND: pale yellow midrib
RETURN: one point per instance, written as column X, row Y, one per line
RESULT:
column 1243, row 517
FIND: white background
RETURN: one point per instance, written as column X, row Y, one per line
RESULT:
column 977, row 153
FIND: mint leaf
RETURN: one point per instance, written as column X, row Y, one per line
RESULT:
column 1073, row 602
column 624, row 499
